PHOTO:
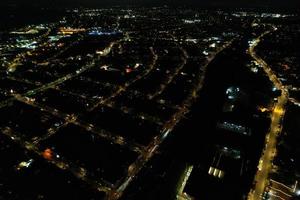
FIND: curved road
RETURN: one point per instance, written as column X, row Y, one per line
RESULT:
column 265, row 163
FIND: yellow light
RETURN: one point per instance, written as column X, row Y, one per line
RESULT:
column 278, row 110
column 263, row 109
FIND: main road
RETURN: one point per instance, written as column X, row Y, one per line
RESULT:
column 265, row 164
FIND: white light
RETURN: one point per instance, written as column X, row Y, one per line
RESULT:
column 205, row 53
column 213, row 45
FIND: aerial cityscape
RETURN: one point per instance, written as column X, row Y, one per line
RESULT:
column 150, row 103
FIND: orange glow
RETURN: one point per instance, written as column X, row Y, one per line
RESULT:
column 70, row 31
column 48, row 154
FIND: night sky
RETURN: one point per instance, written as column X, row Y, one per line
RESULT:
column 16, row 13
column 229, row 3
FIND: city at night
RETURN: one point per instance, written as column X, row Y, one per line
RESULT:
column 149, row 100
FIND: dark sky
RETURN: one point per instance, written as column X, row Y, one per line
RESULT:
column 229, row 3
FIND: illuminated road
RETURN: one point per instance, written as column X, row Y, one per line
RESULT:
column 265, row 163
column 114, row 190
column 183, row 181
column 124, row 87
column 145, row 152
column 68, row 76
column 294, row 101
column 171, row 78
column 71, row 118
column 20, row 57
column 61, row 163
column 168, row 127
